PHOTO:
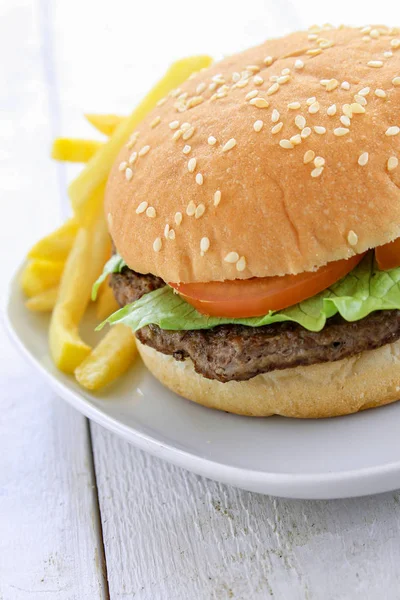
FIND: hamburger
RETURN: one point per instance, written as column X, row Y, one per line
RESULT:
column 255, row 217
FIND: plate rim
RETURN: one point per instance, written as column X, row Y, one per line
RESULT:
column 290, row 485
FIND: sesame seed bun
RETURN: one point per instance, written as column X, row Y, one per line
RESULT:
column 367, row 380
column 277, row 160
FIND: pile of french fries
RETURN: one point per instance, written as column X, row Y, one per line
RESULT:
column 63, row 266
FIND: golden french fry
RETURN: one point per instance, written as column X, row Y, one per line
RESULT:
column 98, row 167
column 56, row 245
column 106, row 304
column 106, row 124
column 84, row 265
column 74, row 149
column 109, row 359
column 40, row 275
column 43, row 302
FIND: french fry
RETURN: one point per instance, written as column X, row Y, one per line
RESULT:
column 106, row 124
column 83, row 266
column 40, row 275
column 109, row 359
column 43, row 302
column 56, row 245
column 74, row 149
column 98, row 167
column 106, row 304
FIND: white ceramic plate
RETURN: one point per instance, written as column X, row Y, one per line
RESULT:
column 331, row 458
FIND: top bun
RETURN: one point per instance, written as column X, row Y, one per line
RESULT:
column 277, row 160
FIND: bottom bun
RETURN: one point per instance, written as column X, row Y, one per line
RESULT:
column 366, row 380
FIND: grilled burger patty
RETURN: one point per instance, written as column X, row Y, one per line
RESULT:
column 238, row 352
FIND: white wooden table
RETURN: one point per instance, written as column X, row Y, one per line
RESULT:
column 82, row 514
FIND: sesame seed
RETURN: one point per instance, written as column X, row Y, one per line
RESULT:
column 258, row 125
column 396, row 81
column 293, row 105
column 311, row 100
column 174, row 125
column 344, row 119
column 380, row 93
column 345, row 85
column 374, row 33
column 339, row 131
column 274, row 78
column 283, row 79
column 229, row 145
column 204, row 244
column 317, row 171
column 110, row 219
column 183, row 96
column 392, row 163
column 199, row 179
column 320, row 130
column 185, row 126
column 259, row 102
column 287, row 144
column 324, row 82
column 308, row 157
column 325, row 43
column 178, row 218
column 306, row 132
column 143, row 151
column 190, row 209
column 253, row 68
column 251, row 95
column 392, row 131
column 217, row 198
column 196, row 100
column 122, row 166
column 388, row 54
column 346, row 108
column 213, row 86
column 352, row 238
column 275, row 116
column 366, row 29
column 241, row 264
column 331, row 110
column 128, row 174
column 360, row 100
column 221, row 94
column 242, row 83
column 188, row 133
column 155, row 122
column 151, row 212
column 257, row 80
column 332, row 85
column 133, row 157
column 365, row 91
column 356, row 108
column 295, row 139
column 363, row 159
column 231, row 257
column 191, row 165
column 285, row 71
column 161, row 102
column 171, row 234
column 200, row 210
column 300, row 121
column 274, row 88
column 178, row 133
column 314, row 51
column 157, row 244
column 276, row 128
column 211, row 140
column 235, row 77
column 375, row 64
column 395, row 43
column 312, row 36
column 166, row 230
column 298, row 64
column 218, row 78
column 201, row 87
column 268, row 60
column 313, row 108
column 142, row 207
column 186, row 149
column 319, row 161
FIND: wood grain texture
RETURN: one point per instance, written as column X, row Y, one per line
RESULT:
column 170, row 534
column 50, row 538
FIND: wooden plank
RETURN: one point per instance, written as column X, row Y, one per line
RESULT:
column 50, row 541
column 171, row 534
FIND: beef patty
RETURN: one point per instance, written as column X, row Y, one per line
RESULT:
column 237, row 352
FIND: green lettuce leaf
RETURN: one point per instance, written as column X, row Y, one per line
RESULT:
column 114, row 265
column 364, row 290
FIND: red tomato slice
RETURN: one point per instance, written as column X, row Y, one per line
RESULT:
column 388, row 256
column 257, row 296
